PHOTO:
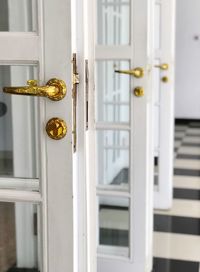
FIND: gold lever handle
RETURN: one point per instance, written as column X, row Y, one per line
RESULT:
column 163, row 66
column 137, row 72
column 55, row 89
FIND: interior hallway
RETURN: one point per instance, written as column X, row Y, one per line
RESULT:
column 177, row 232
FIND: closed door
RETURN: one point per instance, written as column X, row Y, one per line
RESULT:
column 36, row 217
column 187, row 57
column 120, row 124
column 164, row 92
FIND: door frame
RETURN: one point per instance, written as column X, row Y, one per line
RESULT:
column 163, row 193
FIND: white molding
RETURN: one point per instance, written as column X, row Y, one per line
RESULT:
column 20, row 196
column 105, row 191
column 20, row 184
column 112, row 126
column 11, row 48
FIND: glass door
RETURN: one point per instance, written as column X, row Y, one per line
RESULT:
column 35, row 190
column 123, row 148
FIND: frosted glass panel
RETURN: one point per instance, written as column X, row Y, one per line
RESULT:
column 113, row 91
column 113, row 21
column 114, row 226
column 113, row 158
column 18, row 126
column 18, row 15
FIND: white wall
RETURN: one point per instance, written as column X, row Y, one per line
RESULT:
column 187, row 91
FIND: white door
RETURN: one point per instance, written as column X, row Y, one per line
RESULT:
column 120, row 121
column 36, row 194
column 163, row 86
column 187, row 56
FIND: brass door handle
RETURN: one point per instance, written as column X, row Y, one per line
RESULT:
column 163, row 66
column 137, row 72
column 55, row 89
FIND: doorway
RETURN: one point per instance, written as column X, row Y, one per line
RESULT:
column 176, row 231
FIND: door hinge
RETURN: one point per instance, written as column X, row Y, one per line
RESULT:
column 75, row 82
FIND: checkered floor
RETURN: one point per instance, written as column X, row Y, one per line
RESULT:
column 177, row 231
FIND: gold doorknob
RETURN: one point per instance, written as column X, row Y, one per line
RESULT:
column 165, row 79
column 56, row 128
column 137, row 72
column 55, row 89
column 163, row 66
column 139, row 91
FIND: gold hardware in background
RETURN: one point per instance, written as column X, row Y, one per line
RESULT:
column 163, row 66
column 137, row 72
column 56, row 128
column 55, row 89
column 139, row 91
column 165, row 79
column 74, row 97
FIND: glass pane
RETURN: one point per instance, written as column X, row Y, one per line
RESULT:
column 113, row 158
column 113, row 92
column 114, row 225
column 19, row 237
column 18, row 15
column 113, row 21
column 18, row 125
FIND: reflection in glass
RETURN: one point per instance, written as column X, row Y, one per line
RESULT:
column 156, row 171
column 18, row 236
column 113, row 20
column 114, row 224
column 113, row 157
column 113, row 92
column 18, row 119
column 18, row 15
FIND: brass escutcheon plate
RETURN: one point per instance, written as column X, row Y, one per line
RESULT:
column 56, row 128
column 60, row 86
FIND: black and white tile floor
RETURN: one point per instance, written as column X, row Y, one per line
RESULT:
column 177, row 231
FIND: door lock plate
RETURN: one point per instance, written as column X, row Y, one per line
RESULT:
column 56, row 128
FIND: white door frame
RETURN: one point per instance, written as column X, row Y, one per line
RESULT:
column 164, row 102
